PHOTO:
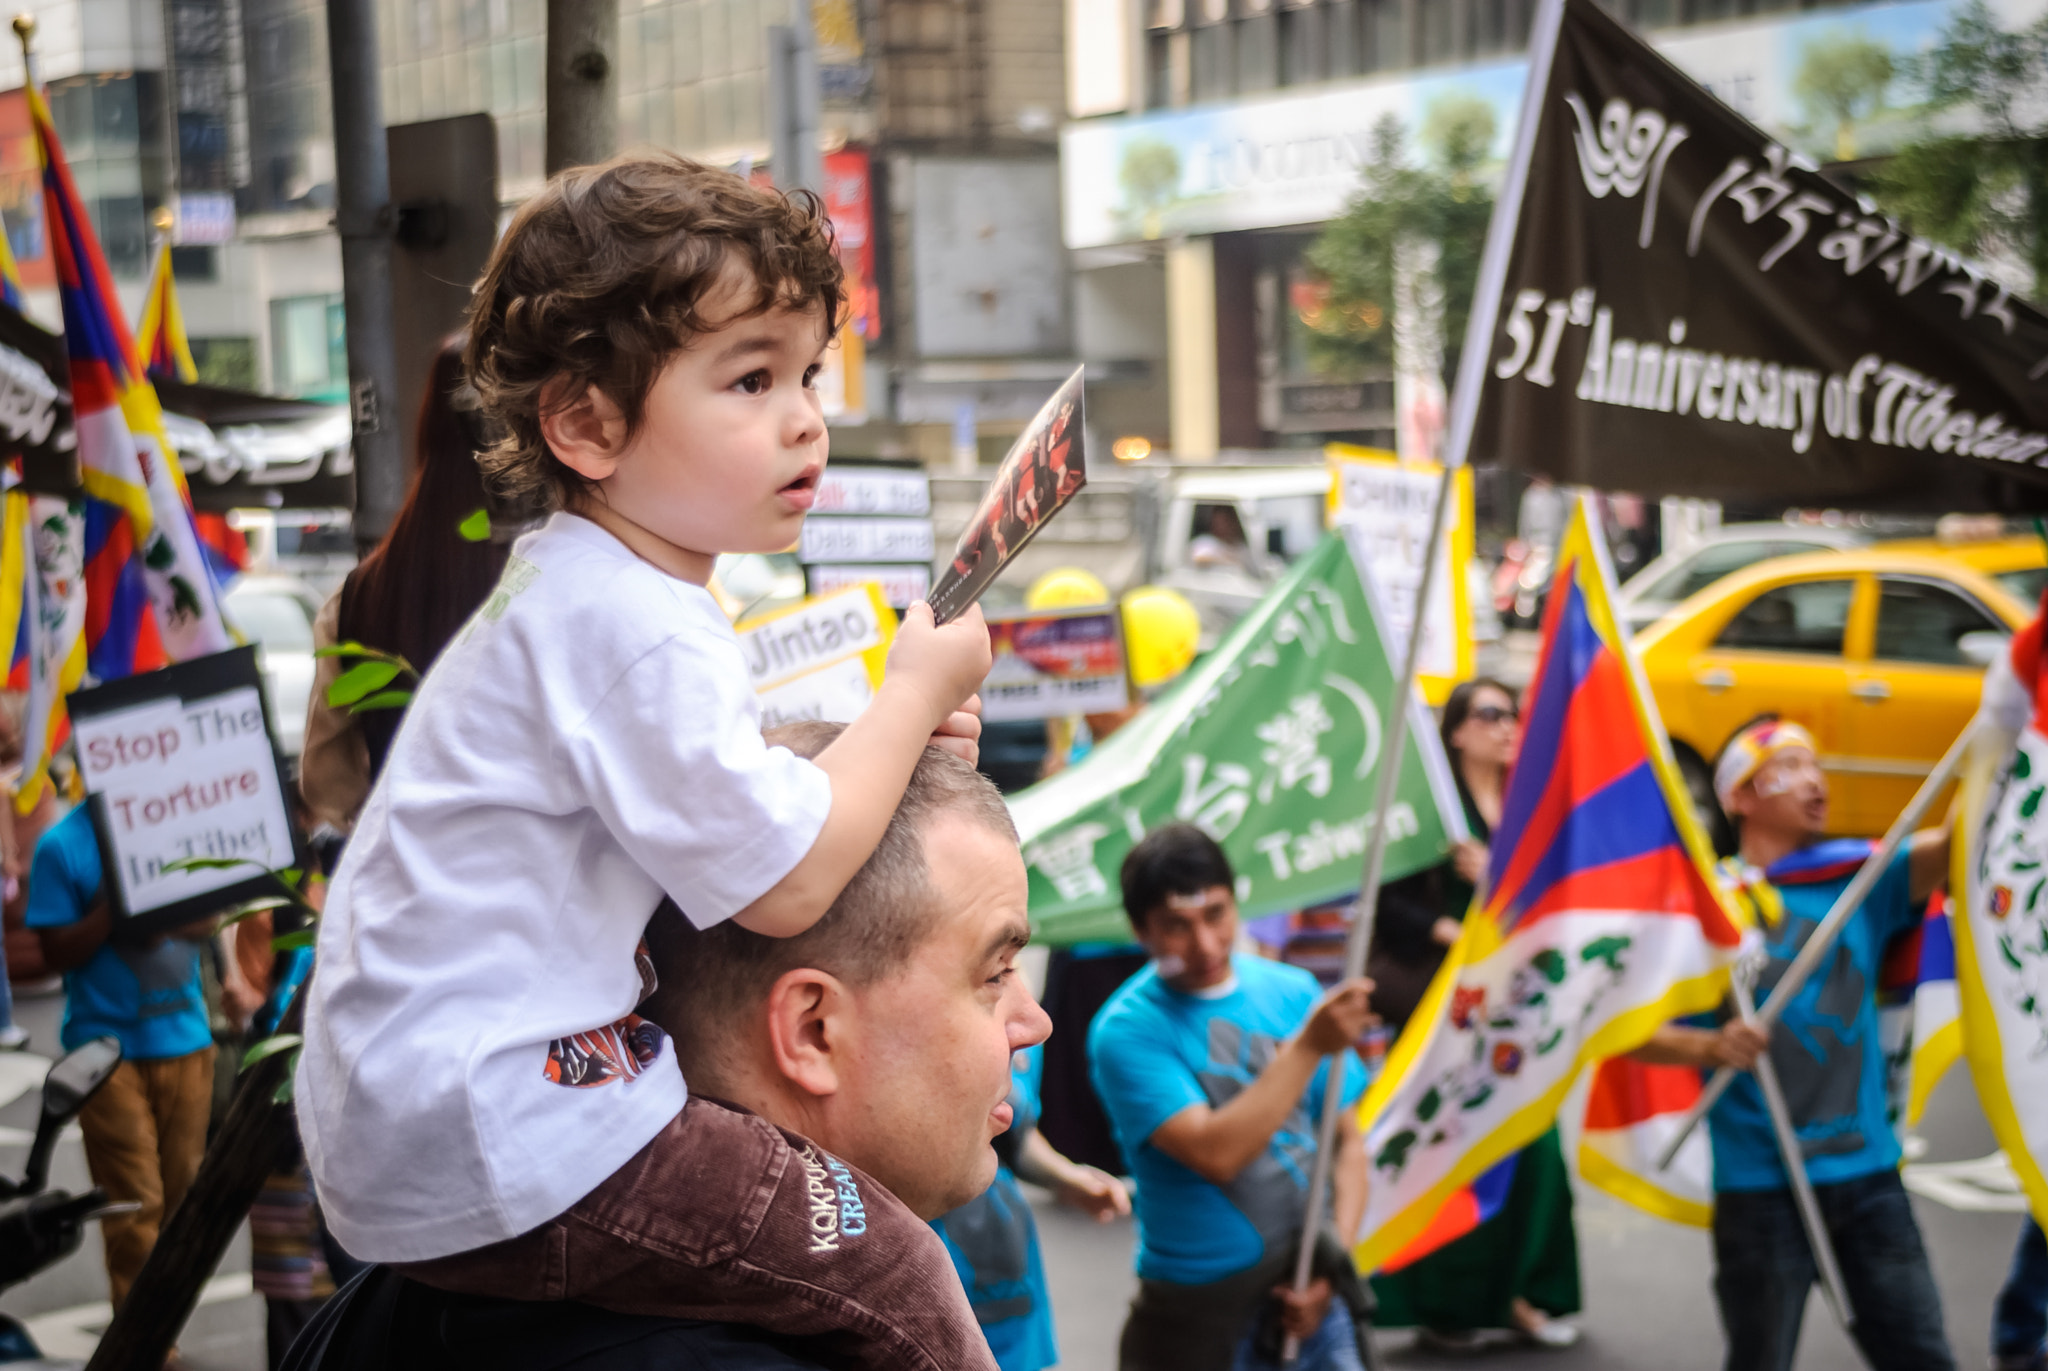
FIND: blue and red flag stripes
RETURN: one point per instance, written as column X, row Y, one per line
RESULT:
column 120, row 632
column 225, row 549
column 1600, row 921
column 1462, row 1213
column 153, row 598
column 1584, row 824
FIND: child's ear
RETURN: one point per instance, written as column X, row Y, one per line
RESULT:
column 586, row 432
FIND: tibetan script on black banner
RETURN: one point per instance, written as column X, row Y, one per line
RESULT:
column 1691, row 308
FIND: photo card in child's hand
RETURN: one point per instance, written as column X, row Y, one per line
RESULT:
column 1040, row 474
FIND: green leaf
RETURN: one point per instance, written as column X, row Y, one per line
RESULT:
column 211, row 864
column 360, row 680
column 283, row 1093
column 297, row 938
column 351, row 648
column 389, row 699
column 477, row 527
column 290, row 876
column 270, row 1047
column 248, row 907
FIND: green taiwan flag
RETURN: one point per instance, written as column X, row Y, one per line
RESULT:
column 1270, row 744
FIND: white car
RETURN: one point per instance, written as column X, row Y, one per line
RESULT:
column 276, row 613
column 1676, row 577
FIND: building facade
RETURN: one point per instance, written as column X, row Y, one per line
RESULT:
column 1210, row 142
column 940, row 125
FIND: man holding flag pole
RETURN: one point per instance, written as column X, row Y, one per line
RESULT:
column 1826, row 1051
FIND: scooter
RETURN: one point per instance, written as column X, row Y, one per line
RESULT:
column 39, row 1227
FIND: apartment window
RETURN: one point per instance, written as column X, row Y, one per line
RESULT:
column 229, row 362
column 1653, row 14
column 1209, row 61
column 1159, row 69
column 1304, row 46
column 1439, row 25
column 308, row 347
column 1341, row 39
column 195, row 264
column 1258, row 53
column 1499, row 26
column 1386, row 45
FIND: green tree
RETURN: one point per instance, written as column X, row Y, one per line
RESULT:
column 1444, row 200
column 1150, row 176
column 1985, row 192
column 1842, row 80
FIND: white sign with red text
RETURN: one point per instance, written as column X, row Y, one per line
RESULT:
column 177, row 780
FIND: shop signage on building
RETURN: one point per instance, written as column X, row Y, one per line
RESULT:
column 1294, row 158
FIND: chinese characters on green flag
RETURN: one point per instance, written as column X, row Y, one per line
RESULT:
column 1270, row 744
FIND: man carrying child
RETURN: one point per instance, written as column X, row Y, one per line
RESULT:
column 475, row 1085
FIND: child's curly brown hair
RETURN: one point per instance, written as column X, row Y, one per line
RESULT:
column 604, row 276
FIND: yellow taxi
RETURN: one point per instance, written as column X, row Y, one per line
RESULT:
column 1880, row 653
column 2020, row 564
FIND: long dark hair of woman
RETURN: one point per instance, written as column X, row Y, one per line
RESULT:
column 1457, row 709
column 421, row 584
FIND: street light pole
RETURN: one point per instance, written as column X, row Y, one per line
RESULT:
column 364, row 216
column 793, row 102
column 583, row 99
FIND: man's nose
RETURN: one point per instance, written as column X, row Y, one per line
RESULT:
column 1030, row 1025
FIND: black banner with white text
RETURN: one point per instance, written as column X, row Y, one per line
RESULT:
column 1691, row 309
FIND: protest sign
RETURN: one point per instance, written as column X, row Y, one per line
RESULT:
column 873, row 490
column 866, row 540
column 1684, row 305
column 1271, row 745
column 1041, row 472
column 179, row 764
column 821, row 659
column 1055, row 662
column 1391, row 502
column 902, row 586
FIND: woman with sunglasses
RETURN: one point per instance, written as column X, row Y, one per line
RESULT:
column 1518, row 1271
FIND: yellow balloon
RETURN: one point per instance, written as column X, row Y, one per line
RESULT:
column 1066, row 588
column 1162, row 633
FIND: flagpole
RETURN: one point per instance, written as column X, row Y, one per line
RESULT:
column 1359, row 940
column 1823, row 940
column 1794, row 1158
column 1479, row 329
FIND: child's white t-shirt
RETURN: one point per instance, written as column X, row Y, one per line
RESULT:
column 590, row 741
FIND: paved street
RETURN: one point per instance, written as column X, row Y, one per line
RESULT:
column 1648, row 1302
column 1646, row 1282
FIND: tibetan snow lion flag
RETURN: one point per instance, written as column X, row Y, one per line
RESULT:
column 1999, row 926
column 1632, row 1111
column 1600, row 921
column 150, row 598
column 160, row 341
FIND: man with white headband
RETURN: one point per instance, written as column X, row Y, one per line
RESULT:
column 1826, row 1050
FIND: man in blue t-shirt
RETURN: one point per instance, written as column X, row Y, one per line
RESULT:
column 145, row 1129
column 1212, row 1069
column 1831, row 1065
column 993, row 1238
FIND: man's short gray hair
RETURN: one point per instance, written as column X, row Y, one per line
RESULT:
column 711, row 979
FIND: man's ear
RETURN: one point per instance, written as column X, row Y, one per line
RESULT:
column 807, row 1028
column 586, row 432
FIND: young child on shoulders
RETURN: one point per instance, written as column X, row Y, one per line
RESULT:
column 480, row 1104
